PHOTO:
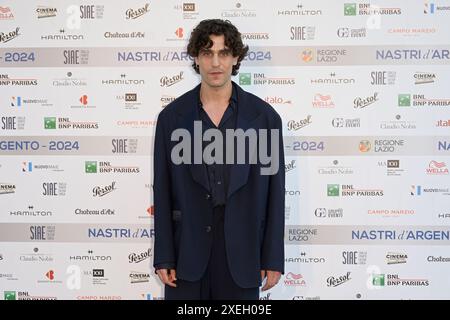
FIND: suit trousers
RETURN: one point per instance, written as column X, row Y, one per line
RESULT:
column 217, row 282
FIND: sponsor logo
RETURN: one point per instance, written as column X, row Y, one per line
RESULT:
column 396, row 258
column 334, row 281
column 46, row 12
column 134, row 14
column 9, row 35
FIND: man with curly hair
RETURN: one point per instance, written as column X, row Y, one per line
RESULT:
column 219, row 225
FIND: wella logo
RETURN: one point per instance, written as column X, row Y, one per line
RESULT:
column 293, row 279
column 437, row 168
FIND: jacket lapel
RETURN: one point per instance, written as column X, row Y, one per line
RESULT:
column 245, row 116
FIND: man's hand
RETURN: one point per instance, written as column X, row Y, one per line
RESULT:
column 167, row 276
column 272, row 278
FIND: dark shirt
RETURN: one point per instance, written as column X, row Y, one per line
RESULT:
column 219, row 173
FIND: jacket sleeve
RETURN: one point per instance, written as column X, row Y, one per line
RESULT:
column 163, row 252
column 272, row 254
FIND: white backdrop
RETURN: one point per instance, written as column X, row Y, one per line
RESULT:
column 363, row 92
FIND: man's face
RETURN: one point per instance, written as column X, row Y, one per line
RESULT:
column 216, row 63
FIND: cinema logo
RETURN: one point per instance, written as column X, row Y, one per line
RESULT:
column 396, row 258
column 424, row 77
column 7, row 188
column 46, row 12
column 139, row 277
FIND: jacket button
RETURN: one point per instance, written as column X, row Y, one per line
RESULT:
column 208, row 228
column 208, row 196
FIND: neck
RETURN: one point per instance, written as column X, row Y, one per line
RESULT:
column 215, row 95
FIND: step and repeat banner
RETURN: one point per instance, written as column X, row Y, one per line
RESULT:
column 362, row 88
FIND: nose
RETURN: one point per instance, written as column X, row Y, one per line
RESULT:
column 215, row 60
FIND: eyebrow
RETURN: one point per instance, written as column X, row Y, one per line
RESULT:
column 221, row 50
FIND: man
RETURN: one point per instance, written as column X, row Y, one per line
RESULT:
column 219, row 227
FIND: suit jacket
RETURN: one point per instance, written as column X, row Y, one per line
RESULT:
column 254, row 211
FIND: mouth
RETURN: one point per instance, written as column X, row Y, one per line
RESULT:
column 215, row 73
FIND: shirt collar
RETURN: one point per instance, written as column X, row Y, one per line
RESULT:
column 233, row 99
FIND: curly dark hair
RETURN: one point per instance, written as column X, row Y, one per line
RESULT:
column 200, row 40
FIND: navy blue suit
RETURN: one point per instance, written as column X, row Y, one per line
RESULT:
column 254, row 213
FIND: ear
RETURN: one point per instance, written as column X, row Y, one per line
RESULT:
column 235, row 60
column 196, row 60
